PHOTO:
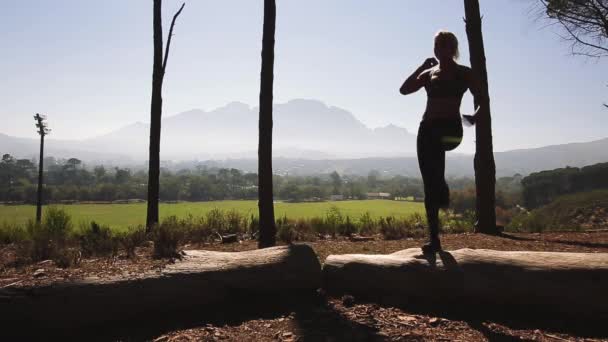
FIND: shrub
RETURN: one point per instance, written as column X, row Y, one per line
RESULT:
column 67, row 257
column 58, row 224
column 395, row 229
column 133, row 238
column 254, row 225
column 97, row 240
column 12, row 233
column 367, row 225
column 195, row 229
column 505, row 216
column 235, row 222
column 215, row 220
column 319, row 226
column 285, row 230
column 347, row 228
column 389, row 228
column 304, row 230
column 167, row 237
column 532, row 222
column 459, row 224
column 333, row 220
column 50, row 236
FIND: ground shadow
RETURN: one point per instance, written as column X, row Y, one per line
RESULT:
column 514, row 318
column 322, row 323
column 314, row 320
column 564, row 242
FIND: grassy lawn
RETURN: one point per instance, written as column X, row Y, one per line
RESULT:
column 120, row 216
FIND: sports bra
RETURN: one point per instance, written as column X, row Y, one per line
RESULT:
column 441, row 88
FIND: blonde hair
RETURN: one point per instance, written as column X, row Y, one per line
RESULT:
column 449, row 38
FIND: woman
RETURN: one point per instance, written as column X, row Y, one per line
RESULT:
column 440, row 130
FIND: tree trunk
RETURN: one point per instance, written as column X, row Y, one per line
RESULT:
column 570, row 283
column 156, row 108
column 40, row 180
column 485, row 168
column 265, row 201
column 203, row 280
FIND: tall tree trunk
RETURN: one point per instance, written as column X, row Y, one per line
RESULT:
column 40, row 175
column 155, row 119
column 267, row 236
column 485, row 168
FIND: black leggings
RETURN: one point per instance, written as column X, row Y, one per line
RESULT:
column 435, row 137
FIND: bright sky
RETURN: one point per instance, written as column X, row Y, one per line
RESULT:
column 87, row 64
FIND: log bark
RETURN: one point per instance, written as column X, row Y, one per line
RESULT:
column 573, row 283
column 201, row 279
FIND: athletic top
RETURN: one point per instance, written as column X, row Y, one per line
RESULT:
column 441, row 88
column 443, row 94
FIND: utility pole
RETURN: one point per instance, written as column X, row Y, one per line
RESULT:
column 43, row 130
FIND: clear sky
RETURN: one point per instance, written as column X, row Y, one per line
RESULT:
column 87, row 64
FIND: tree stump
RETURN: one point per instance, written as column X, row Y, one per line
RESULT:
column 573, row 283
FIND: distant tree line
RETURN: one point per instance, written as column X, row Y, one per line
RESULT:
column 543, row 187
column 72, row 180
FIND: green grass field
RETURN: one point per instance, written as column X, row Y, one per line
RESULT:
column 120, row 216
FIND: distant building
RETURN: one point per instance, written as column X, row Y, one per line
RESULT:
column 378, row 195
column 336, row 198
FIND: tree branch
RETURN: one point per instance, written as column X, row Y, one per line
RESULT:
column 169, row 37
column 582, row 42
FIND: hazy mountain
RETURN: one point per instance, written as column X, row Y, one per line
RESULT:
column 302, row 129
column 309, row 137
column 30, row 149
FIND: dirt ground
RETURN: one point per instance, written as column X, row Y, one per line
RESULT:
column 341, row 319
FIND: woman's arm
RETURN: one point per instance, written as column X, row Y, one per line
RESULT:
column 418, row 78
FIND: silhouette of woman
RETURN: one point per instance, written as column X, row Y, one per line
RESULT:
column 441, row 127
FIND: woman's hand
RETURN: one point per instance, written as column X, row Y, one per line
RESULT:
column 429, row 63
column 418, row 78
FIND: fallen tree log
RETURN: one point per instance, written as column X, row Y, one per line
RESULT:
column 202, row 279
column 573, row 283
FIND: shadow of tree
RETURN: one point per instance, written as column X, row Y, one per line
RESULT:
column 314, row 319
column 323, row 323
column 560, row 241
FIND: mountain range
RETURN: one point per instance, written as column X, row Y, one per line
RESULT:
column 309, row 137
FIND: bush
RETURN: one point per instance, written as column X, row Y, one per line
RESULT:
column 50, row 236
column 195, row 229
column 389, row 228
column 457, row 224
column 215, row 220
column 333, row 220
column 133, row 238
column 67, row 257
column 367, row 225
column 347, row 228
column 532, row 222
column 12, row 233
column 235, row 223
column 319, row 226
column 505, row 216
column 167, row 237
column 304, row 230
column 395, row 229
column 58, row 224
column 285, row 230
column 97, row 240
column 254, row 225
